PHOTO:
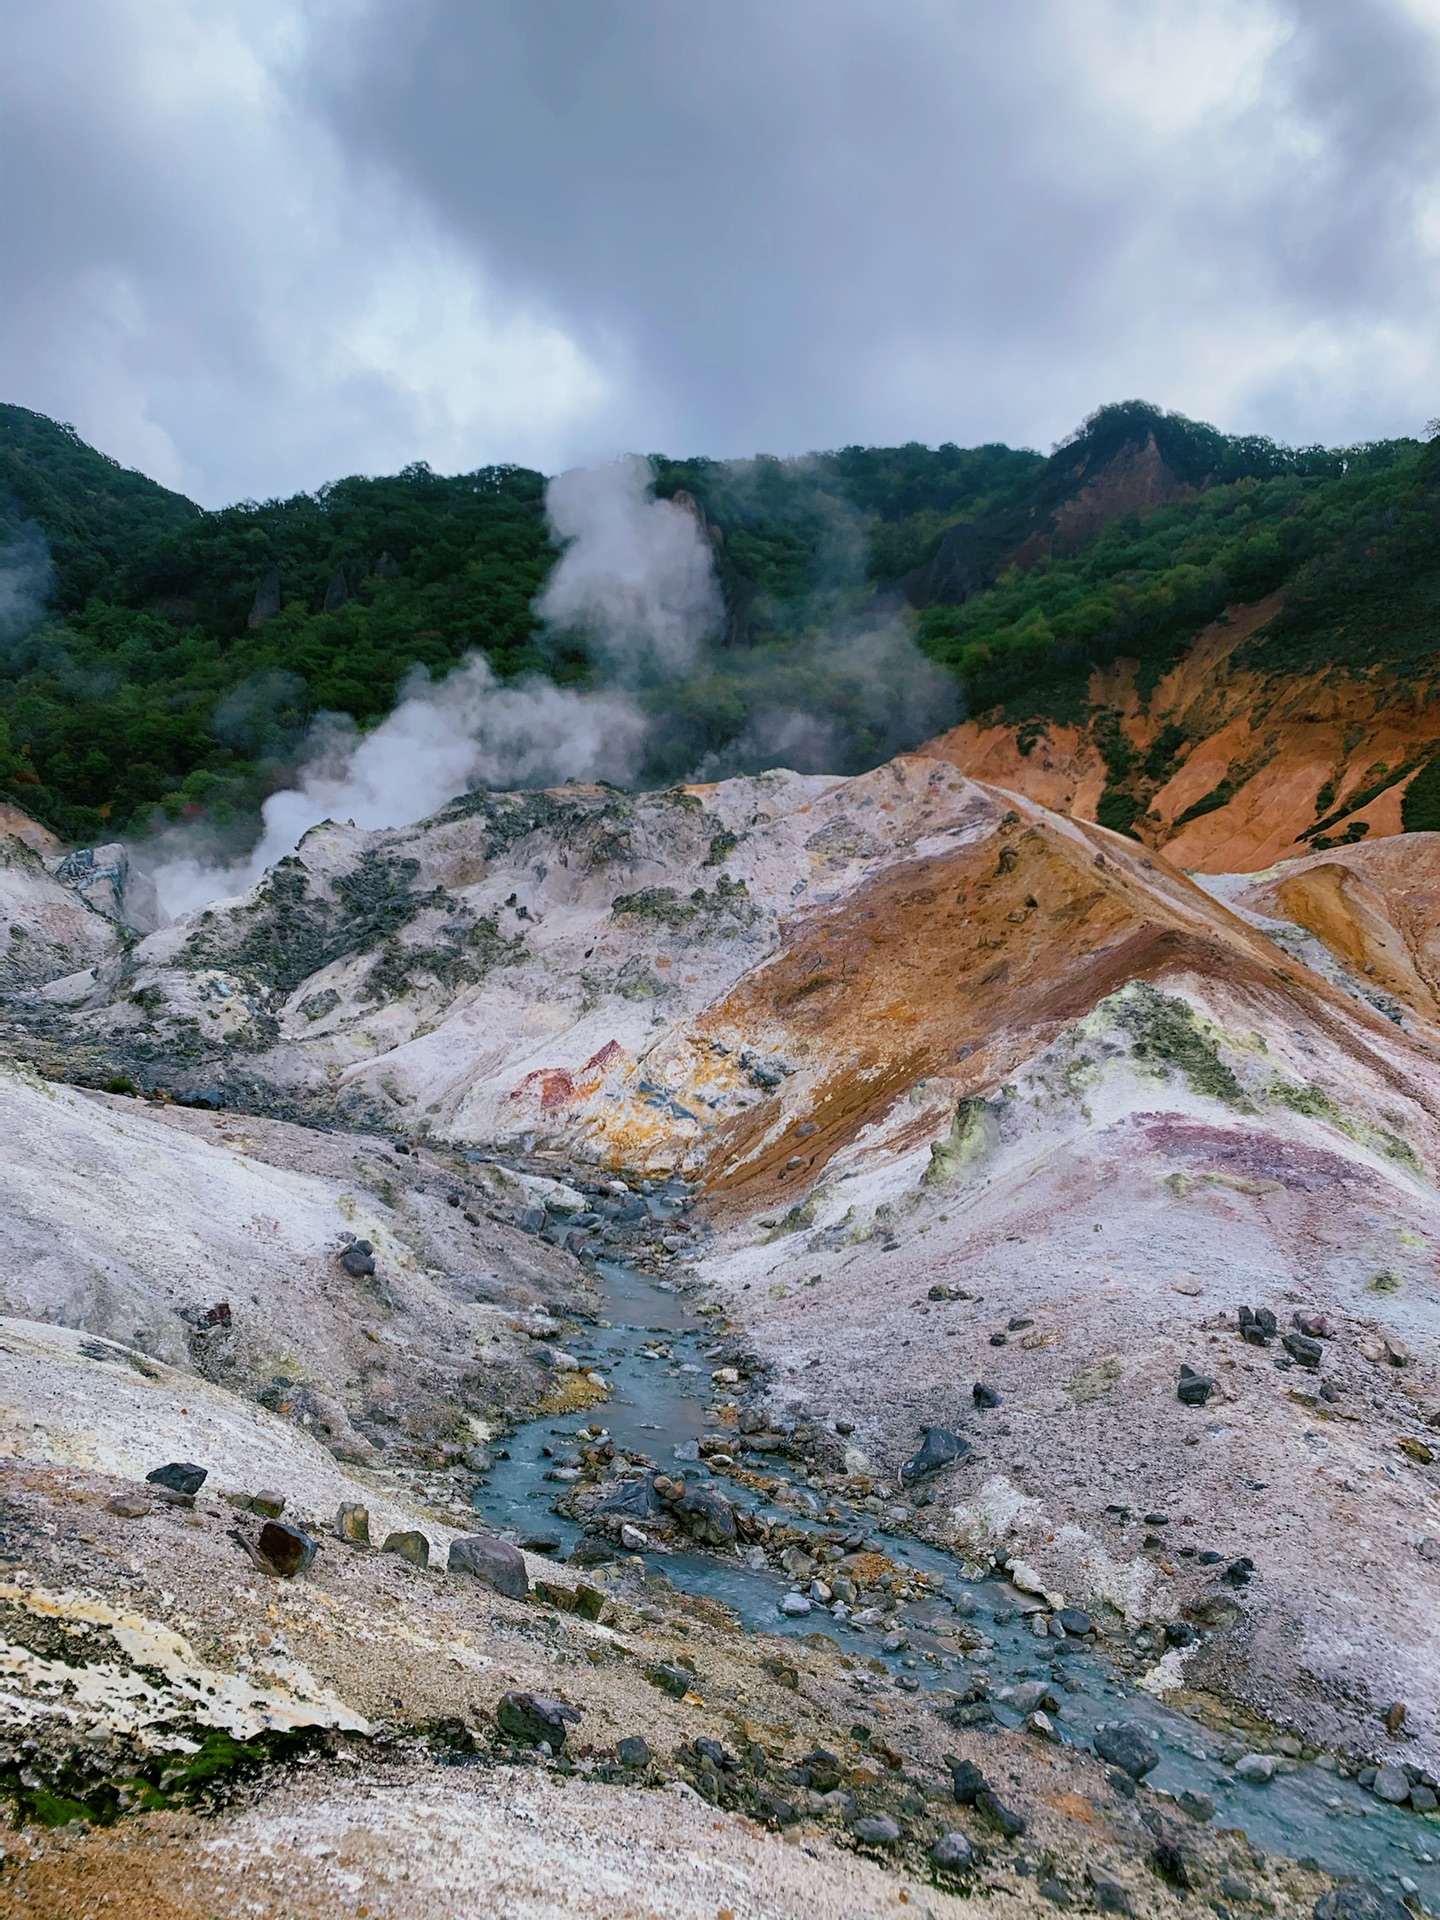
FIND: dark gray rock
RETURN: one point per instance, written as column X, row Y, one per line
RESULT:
column 876, row 1830
column 633, row 1751
column 1392, row 1783
column 1194, row 1388
column 1126, row 1746
column 1302, row 1349
column 967, row 1780
column 1111, row 1895
column 536, row 1717
column 1360, row 1900
column 985, row 1396
column 491, row 1561
column 953, row 1853
column 1199, row 1806
column 707, row 1516
column 633, row 1500
column 180, row 1476
column 1055, row 1891
column 288, row 1549
column 1074, row 1621
column 358, row 1260
column 993, row 1808
column 938, row 1449
column 675, row 1681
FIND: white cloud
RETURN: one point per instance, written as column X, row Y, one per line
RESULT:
column 217, row 292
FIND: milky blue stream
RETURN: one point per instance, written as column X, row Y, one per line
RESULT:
column 1309, row 1813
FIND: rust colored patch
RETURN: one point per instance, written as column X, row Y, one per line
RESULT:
column 1075, row 1806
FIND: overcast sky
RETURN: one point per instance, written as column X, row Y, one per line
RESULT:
column 249, row 245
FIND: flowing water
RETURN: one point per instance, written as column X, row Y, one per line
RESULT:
column 659, row 1405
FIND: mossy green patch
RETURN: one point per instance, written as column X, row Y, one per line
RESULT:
column 1315, row 1104
column 1167, row 1032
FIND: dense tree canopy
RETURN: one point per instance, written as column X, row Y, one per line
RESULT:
column 159, row 661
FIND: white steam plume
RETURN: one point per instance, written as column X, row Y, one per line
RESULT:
column 24, row 581
column 637, row 575
column 445, row 736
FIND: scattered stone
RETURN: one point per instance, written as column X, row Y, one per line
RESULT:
column 994, row 1809
column 358, row 1259
column 1041, row 1725
column 1194, row 1388
column 539, row 1542
column 288, row 1549
column 1305, row 1351
column 967, row 1780
column 1417, row 1451
column 953, row 1853
column 536, row 1718
column 1239, row 1572
column 1199, row 1806
column 491, row 1561
column 632, row 1539
column 1031, row 1694
column 985, row 1396
column 1395, row 1716
column 707, row 1516
column 413, row 1547
column 1126, row 1746
column 1392, row 1783
column 180, row 1476
column 352, row 1523
column 267, row 1503
column 1258, row 1327
column 1259, row 1768
column 1055, row 1892
column 1111, row 1895
column 876, row 1830
column 795, row 1606
column 1315, row 1326
column 1156, row 1519
column 588, row 1601
column 1424, row 1799
column 633, row 1750
column 938, row 1449
column 672, row 1680
column 1360, row 1900
column 132, row 1505
column 1075, row 1622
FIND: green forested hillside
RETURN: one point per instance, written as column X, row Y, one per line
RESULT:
column 178, row 655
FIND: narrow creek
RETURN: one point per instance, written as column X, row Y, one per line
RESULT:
column 658, row 1406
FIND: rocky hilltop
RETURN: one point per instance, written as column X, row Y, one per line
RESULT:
column 1056, row 1217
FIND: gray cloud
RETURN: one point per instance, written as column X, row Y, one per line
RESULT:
column 254, row 243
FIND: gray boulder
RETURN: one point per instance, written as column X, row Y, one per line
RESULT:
column 707, row 1516
column 491, row 1561
column 938, row 1449
column 536, row 1717
column 1126, row 1746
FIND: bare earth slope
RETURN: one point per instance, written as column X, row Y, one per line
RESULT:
column 970, row 1092
column 1230, row 771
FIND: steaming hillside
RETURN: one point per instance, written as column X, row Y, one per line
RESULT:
column 874, row 1188
column 166, row 665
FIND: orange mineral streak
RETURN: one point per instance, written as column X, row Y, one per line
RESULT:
column 1279, row 743
column 959, row 968
column 556, row 1088
column 1376, row 907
